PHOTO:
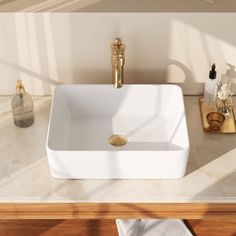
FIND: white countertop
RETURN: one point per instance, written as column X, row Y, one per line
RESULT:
column 25, row 176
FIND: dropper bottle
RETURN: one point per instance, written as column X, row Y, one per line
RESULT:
column 211, row 86
column 22, row 107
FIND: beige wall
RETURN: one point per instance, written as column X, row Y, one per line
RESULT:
column 118, row 6
column 47, row 49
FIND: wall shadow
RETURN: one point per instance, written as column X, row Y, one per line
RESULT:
column 54, row 64
column 114, row 6
column 29, row 72
column 159, row 6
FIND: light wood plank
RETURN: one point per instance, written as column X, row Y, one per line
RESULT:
column 117, row 210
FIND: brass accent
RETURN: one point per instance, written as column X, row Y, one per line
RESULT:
column 229, row 125
column 118, row 61
column 117, row 140
column 20, row 87
column 215, row 120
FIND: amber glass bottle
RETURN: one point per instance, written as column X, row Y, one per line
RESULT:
column 22, row 107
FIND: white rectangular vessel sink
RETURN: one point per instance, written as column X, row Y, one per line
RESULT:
column 150, row 117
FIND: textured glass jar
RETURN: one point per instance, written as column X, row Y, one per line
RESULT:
column 22, row 107
column 224, row 106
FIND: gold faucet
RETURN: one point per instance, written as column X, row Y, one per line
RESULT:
column 118, row 61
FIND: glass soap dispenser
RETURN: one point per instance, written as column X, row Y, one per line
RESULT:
column 22, row 107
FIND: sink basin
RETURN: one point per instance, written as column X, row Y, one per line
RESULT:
column 150, row 117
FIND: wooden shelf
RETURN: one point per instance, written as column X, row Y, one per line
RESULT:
column 117, row 210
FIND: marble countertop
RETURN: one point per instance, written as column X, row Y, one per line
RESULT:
column 25, row 175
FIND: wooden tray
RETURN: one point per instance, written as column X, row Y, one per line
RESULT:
column 229, row 125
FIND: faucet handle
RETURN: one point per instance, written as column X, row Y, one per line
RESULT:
column 118, row 46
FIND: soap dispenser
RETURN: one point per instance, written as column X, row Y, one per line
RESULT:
column 22, row 107
column 211, row 86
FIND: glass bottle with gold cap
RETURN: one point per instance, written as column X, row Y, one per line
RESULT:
column 22, row 107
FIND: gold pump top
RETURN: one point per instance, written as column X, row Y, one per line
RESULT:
column 20, row 87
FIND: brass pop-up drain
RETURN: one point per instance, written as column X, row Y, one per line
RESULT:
column 117, row 140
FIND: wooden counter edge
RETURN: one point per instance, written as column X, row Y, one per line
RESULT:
column 117, row 210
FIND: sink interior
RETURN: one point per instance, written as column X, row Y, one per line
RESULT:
column 83, row 117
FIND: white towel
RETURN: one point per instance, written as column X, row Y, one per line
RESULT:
column 152, row 228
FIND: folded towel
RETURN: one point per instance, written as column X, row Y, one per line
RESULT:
column 152, row 228
column 128, row 227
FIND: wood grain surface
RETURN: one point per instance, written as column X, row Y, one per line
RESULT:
column 117, row 210
column 58, row 228
column 102, row 227
column 212, row 227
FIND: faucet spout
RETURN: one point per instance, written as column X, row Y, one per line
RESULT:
column 118, row 61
